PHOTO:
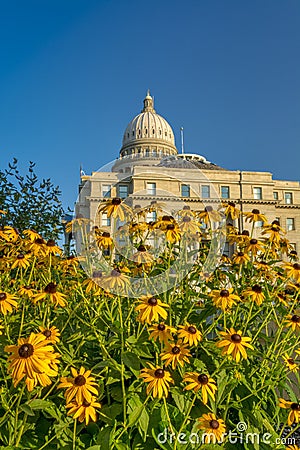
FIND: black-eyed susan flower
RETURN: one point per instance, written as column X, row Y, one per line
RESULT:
column 52, row 334
column 254, row 246
column 162, row 332
column 293, row 321
column 189, row 334
column 294, row 414
column 292, row 447
column 80, row 386
column 10, row 234
column 151, row 309
column 32, row 357
column 290, row 363
column 163, row 222
column 51, row 248
column 255, row 216
column 142, row 256
column 273, row 232
column 255, row 293
column 115, row 280
column 240, row 258
column 21, row 261
column 85, row 411
column 224, row 298
column 293, row 271
column 173, row 233
column 7, row 302
column 188, row 225
column 201, row 381
column 209, row 215
column 104, row 240
column 38, row 247
column 234, row 344
column 231, row 211
column 159, row 380
column 115, row 208
column 92, row 284
column 175, row 354
column 26, row 291
column 32, row 235
column 214, row 428
column 50, row 291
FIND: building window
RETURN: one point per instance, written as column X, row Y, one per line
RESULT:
column 226, row 250
column 257, row 191
column 185, row 190
column 205, row 191
column 275, row 195
column 288, row 198
column 105, row 221
column 123, row 190
column 225, row 192
column 290, row 224
column 151, row 188
column 151, row 217
column 106, row 190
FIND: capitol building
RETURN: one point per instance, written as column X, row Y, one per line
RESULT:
column 150, row 169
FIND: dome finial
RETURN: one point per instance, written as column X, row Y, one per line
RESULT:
column 148, row 103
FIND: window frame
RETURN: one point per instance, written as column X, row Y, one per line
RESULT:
column 292, row 224
column 119, row 190
column 151, row 190
column 228, row 195
column 259, row 189
column 188, row 191
column 203, row 186
column 106, row 194
column 286, row 198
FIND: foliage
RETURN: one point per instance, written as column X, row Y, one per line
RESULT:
column 30, row 203
column 103, row 332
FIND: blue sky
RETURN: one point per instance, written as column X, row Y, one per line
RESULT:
column 74, row 73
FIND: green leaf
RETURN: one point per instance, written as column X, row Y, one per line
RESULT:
column 130, row 360
column 26, row 409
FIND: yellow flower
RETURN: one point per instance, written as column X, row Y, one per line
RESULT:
column 26, row 291
column 52, row 334
column 81, row 386
column 255, row 216
column 293, row 271
column 234, row 344
column 294, row 414
column 38, row 247
column 33, row 357
column 175, row 354
column 32, row 235
column 116, row 280
column 187, row 225
column 189, row 334
column 51, row 248
column 254, row 247
column 21, row 261
column 224, row 298
column 290, row 363
column 293, row 321
column 200, row 381
column 50, row 291
column 173, row 233
column 214, row 428
column 116, row 209
column 162, row 332
column 158, row 379
column 209, row 215
column 231, row 211
column 84, row 411
column 151, row 309
column 7, row 302
column 142, row 256
column 292, row 447
column 104, row 240
column 255, row 293
column 240, row 258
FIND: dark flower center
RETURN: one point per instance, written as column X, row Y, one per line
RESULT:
column 20, row 256
column 192, row 330
column 171, row 226
column 245, row 233
column 141, row 248
column 295, row 406
column 85, row 404
column 214, row 424
column 276, row 222
column 3, row 296
column 105, row 234
column 186, row 207
column 224, row 293
column 47, row 333
column 115, row 273
column 152, row 301
column 275, row 228
column 295, row 318
column 296, row 266
column 175, row 350
column 203, row 379
column 26, row 350
column 208, row 209
column 39, row 241
column 116, row 201
column 50, row 288
column 240, row 254
column 291, row 361
column 253, row 241
column 97, row 274
column 255, row 211
column 159, row 373
column 161, row 327
column 236, row 338
column 231, row 204
column 167, row 218
column 50, row 243
column 79, row 380
column 257, row 289
column 294, row 253
column 186, row 219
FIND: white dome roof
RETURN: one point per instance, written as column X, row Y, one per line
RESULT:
column 148, row 125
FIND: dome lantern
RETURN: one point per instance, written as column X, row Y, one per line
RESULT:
column 148, row 103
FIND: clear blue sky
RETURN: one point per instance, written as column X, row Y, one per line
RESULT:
column 74, row 73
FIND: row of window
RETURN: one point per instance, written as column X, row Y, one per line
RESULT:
column 186, row 192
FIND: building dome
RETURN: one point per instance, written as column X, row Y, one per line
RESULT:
column 148, row 134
